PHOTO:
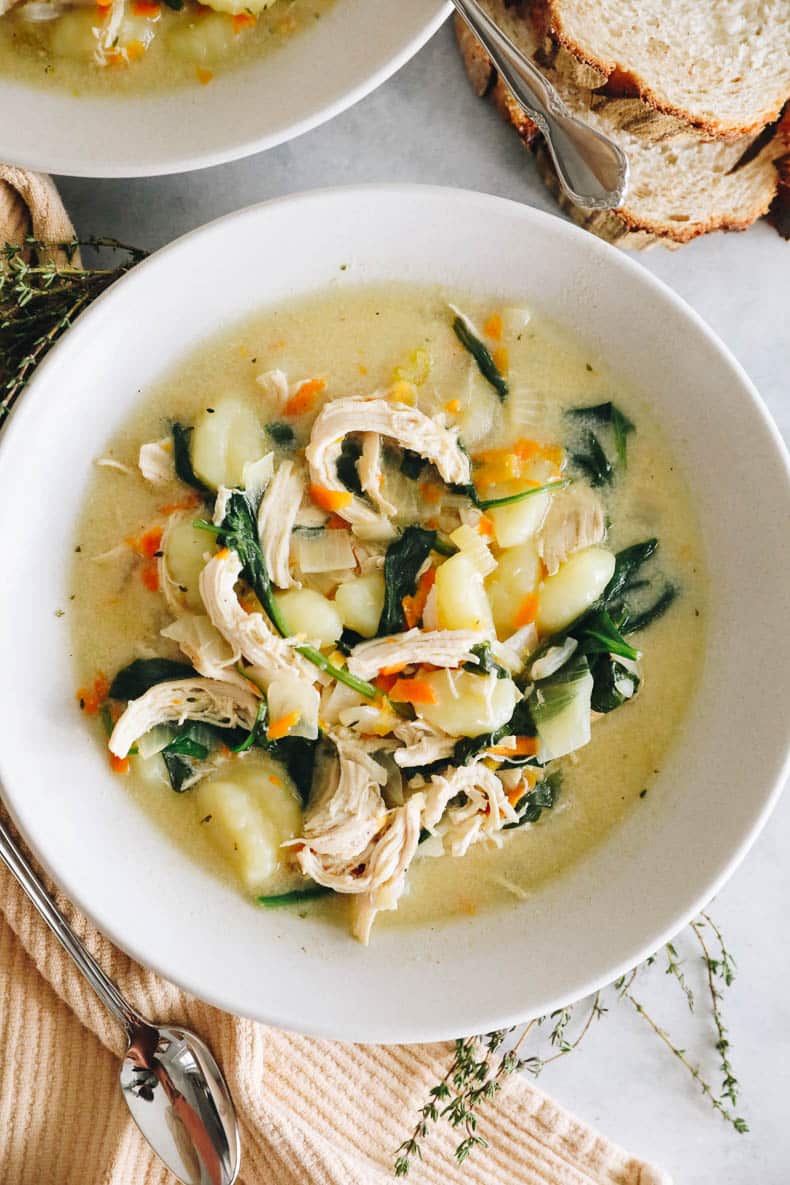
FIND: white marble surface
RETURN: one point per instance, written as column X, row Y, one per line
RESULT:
column 426, row 126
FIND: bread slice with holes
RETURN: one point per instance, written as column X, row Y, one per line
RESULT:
column 682, row 184
column 722, row 66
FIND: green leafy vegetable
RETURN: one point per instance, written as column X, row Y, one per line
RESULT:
column 639, row 621
column 541, row 798
column 182, row 458
column 179, row 770
column 594, row 461
column 186, row 746
column 412, row 464
column 281, row 433
column 134, row 680
column 486, row 663
column 403, row 561
column 350, row 453
column 293, row 898
column 443, row 545
column 481, row 354
column 348, row 640
column 598, row 634
column 520, row 724
column 613, row 683
column 628, row 562
column 609, row 413
column 298, row 755
column 257, row 733
column 489, row 503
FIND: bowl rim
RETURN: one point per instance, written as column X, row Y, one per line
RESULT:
column 715, row 877
column 62, row 162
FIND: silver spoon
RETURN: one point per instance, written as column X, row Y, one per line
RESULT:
column 169, row 1078
column 591, row 168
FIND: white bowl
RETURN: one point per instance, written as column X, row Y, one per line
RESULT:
column 355, row 47
column 655, row 870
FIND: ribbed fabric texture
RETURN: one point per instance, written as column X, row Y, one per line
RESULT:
column 312, row 1112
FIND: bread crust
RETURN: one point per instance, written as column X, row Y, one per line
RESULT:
column 621, row 79
column 625, row 227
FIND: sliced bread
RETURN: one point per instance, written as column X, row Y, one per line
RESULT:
column 721, row 65
column 682, row 186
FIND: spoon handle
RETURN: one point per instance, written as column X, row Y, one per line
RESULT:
column 591, row 168
column 18, row 865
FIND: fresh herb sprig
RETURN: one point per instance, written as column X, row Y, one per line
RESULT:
column 43, row 288
column 481, row 1064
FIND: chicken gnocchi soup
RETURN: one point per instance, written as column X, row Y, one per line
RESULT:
column 142, row 45
column 390, row 600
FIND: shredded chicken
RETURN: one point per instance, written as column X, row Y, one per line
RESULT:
column 411, row 428
column 424, row 751
column 209, row 701
column 370, row 473
column 274, row 383
column 247, row 633
column 276, row 517
column 156, row 461
column 575, row 520
column 482, row 815
column 108, row 32
column 210, row 654
column 440, row 648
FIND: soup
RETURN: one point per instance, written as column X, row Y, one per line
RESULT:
column 138, row 46
column 388, row 603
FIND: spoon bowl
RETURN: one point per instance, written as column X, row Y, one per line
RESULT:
column 178, row 1098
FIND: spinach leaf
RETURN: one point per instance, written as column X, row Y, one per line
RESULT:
column 281, row 433
column 598, row 634
column 627, row 563
column 298, row 755
column 350, row 453
column 182, row 458
column 609, row 413
column 403, row 561
column 185, row 746
column 613, row 683
column 179, row 770
column 481, row 354
column 593, row 461
column 639, row 621
column 134, row 680
column 257, row 734
column 412, row 464
column 348, row 640
column 541, row 798
column 486, row 663
column 294, row 897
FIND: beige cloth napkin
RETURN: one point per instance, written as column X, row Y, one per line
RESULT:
column 312, row 1112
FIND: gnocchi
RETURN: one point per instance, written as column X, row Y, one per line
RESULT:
column 226, row 437
column 574, row 588
column 310, row 615
column 468, row 705
column 461, row 599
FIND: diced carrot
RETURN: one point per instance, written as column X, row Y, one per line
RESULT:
column 524, row 747
column 103, row 3
column 280, row 728
column 189, row 502
column 146, row 8
column 485, row 526
column 554, row 453
column 493, row 327
column 204, row 76
column 501, row 358
column 135, row 51
column 413, row 691
column 149, row 543
column 527, row 449
column 385, row 683
column 414, row 607
column 222, row 554
column 91, row 698
column 304, row 397
column 395, row 669
column 453, row 406
column 119, row 765
column 330, row 500
column 527, row 610
column 149, row 574
column 335, row 523
column 275, row 781
column 243, row 20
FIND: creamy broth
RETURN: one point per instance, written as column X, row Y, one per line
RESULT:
column 158, row 47
column 361, row 341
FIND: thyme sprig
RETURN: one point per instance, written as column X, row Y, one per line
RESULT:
column 481, row 1064
column 43, row 289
